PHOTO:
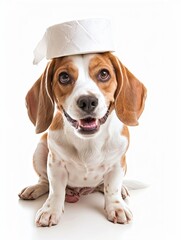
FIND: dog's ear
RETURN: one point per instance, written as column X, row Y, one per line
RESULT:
column 130, row 94
column 39, row 100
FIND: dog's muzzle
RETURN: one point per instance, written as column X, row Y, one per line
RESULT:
column 87, row 125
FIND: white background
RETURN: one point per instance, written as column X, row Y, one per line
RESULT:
column 147, row 37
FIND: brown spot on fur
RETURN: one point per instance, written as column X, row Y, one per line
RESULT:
column 117, row 201
column 123, row 163
column 48, row 205
column 125, row 132
column 57, row 122
column 119, row 210
column 63, row 64
column 52, row 156
column 85, row 178
column 97, row 63
column 102, row 167
column 44, row 137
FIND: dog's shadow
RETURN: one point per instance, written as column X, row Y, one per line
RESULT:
column 33, row 204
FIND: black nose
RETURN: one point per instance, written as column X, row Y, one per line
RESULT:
column 87, row 103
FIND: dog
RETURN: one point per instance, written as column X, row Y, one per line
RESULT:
column 96, row 98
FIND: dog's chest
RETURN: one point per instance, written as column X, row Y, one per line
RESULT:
column 87, row 163
column 87, row 169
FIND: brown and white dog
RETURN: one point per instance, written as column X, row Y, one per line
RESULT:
column 84, row 149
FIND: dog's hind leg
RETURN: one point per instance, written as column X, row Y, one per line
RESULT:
column 40, row 166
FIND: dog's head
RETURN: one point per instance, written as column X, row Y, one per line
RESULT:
column 86, row 88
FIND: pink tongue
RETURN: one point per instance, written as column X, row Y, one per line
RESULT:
column 88, row 123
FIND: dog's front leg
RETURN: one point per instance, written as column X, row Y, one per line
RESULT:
column 51, row 210
column 116, row 208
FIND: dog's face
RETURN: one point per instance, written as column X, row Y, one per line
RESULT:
column 86, row 88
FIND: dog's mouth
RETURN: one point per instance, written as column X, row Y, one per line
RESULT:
column 87, row 125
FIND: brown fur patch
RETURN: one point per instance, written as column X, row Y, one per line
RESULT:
column 97, row 63
column 57, row 122
column 119, row 210
column 61, row 91
column 123, row 163
column 125, row 133
column 44, row 137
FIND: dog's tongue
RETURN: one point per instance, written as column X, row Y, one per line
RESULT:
column 88, row 124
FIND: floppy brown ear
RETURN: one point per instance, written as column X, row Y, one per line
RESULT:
column 130, row 94
column 39, row 101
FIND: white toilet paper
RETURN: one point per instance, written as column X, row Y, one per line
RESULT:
column 75, row 37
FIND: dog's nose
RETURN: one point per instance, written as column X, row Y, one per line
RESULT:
column 87, row 103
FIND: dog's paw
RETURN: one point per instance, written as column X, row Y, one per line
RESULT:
column 47, row 217
column 118, row 212
column 33, row 192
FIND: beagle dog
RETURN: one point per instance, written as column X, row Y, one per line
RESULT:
column 84, row 149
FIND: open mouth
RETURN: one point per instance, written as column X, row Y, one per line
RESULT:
column 87, row 125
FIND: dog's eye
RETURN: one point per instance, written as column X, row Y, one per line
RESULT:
column 103, row 75
column 64, row 78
